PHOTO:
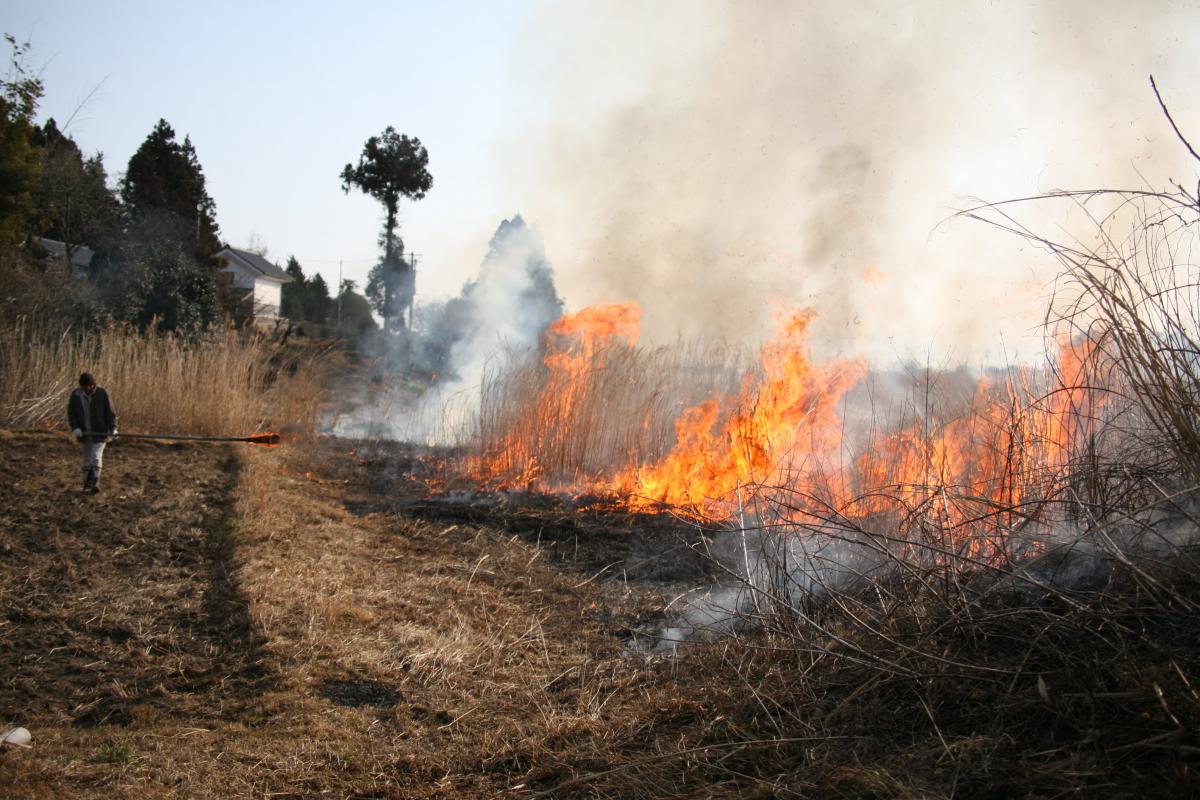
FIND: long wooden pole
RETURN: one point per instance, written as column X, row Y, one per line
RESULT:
column 261, row 438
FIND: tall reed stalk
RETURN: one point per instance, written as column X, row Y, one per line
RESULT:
column 221, row 382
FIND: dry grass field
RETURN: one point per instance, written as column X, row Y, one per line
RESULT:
column 302, row 622
column 219, row 624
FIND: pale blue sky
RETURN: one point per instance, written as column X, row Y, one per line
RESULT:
column 713, row 160
column 277, row 97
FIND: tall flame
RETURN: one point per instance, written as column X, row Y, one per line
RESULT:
column 573, row 346
column 785, row 428
column 774, row 428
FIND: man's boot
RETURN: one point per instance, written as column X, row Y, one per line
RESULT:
column 87, row 479
column 95, row 480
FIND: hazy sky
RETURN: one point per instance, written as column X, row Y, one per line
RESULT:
column 714, row 161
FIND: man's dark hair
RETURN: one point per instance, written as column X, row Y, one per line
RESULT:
column 86, row 379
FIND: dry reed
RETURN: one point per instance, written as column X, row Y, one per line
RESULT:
column 553, row 425
column 223, row 382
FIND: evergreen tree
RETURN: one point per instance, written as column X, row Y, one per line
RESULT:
column 165, row 182
column 317, row 302
column 158, row 280
column 73, row 203
column 163, row 259
column 19, row 94
column 391, row 166
column 293, row 302
column 356, row 320
column 391, row 285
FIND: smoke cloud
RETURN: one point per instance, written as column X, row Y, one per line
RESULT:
column 506, row 309
column 716, row 161
column 509, row 306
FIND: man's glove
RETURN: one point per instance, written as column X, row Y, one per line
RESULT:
column 78, row 434
column 111, row 435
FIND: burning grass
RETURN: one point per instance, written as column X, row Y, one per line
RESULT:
column 1001, row 574
column 926, row 584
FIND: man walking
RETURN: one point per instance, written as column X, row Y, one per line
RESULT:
column 93, row 420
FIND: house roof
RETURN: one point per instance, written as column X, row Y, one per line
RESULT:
column 58, row 250
column 254, row 264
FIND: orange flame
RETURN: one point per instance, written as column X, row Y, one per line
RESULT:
column 964, row 477
column 596, row 324
column 776, row 425
column 573, row 345
column 266, row 439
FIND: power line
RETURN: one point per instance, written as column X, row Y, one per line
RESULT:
column 303, row 259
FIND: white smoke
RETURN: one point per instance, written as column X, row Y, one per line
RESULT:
column 508, row 307
column 722, row 159
column 504, row 310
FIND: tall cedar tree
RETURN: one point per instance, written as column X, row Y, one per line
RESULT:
column 165, row 180
column 391, row 166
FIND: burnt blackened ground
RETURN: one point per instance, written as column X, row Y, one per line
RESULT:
column 615, row 545
column 588, row 534
column 637, row 565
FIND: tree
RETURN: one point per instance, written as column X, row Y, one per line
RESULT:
column 158, row 279
column 72, row 202
column 164, row 180
column 317, row 302
column 162, row 264
column 293, row 301
column 355, row 315
column 19, row 94
column 391, row 285
column 391, row 166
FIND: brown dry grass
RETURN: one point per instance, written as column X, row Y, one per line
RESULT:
column 617, row 405
column 353, row 651
column 239, row 628
column 489, row 649
column 225, row 382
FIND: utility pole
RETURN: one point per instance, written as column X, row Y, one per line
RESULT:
column 412, row 299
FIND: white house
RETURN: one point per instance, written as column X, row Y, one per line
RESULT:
column 262, row 280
